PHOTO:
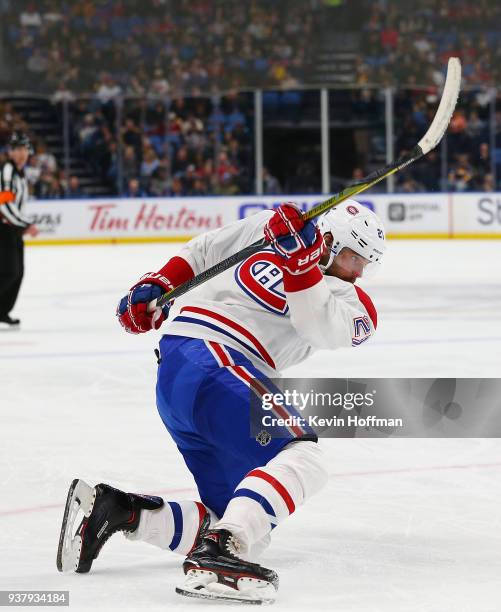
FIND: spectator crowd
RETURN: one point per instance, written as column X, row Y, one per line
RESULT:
column 194, row 146
column 406, row 43
column 467, row 147
column 45, row 178
column 158, row 90
column 159, row 47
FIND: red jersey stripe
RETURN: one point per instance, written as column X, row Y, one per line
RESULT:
column 236, row 327
column 255, row 384
column 369, row 306
column 220, row 353
column 277, row 486
column 260, row 390
column 201, row 512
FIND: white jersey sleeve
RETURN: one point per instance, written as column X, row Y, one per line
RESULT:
column 332, row 314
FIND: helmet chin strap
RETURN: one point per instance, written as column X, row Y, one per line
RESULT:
column 329, row 263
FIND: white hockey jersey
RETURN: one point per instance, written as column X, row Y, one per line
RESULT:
column 246, row 307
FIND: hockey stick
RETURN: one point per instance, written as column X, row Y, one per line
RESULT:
column 429, row 141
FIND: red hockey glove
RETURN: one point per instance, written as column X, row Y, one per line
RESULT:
column 299, row 243
column 308, row 257
column 132, row 311
column 301, row 270
column 286, row 230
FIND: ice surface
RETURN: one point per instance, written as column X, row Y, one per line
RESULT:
column 402, row 525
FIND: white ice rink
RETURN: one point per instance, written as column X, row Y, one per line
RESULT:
column 402, row 525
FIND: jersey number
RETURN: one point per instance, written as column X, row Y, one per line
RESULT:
column 362, row 329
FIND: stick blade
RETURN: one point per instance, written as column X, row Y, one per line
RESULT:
column 445, row 109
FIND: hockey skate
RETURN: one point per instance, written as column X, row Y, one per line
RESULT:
column 106, row 510
column 213, row 571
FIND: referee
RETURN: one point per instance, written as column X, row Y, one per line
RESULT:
column 13, row 224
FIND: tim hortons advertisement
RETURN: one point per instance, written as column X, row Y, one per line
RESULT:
column 477, row 213
column 127, row 220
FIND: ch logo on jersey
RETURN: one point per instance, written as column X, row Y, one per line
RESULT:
column 260, row 278
column 362, row 329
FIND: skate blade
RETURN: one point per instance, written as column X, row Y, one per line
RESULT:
column 81, row 497
column 204, row 585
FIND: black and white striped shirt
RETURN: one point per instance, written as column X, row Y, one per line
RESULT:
column 13, row 184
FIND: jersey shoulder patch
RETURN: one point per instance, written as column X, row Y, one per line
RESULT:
column 368, row 304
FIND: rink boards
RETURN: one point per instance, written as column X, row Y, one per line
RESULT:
column 406, row 216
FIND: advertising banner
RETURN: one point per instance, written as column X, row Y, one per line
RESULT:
column 477, row 213
column 403, row 215
column 420, row 215
column 130, row 220
column 111, row 220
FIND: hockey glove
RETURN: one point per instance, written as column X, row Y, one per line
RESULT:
column 132, row 311
column 298, row 242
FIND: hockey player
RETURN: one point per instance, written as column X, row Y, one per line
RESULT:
column 248, row 323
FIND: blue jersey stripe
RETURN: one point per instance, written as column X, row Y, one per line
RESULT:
column 220, row 330
column 177, row 513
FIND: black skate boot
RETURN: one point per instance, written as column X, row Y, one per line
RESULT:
column 106, row 511
column 213, row 571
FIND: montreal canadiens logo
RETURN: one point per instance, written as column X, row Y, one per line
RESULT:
column 260, row 278
column 353, row 210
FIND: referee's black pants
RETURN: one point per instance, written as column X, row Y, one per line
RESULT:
column 11, row 267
